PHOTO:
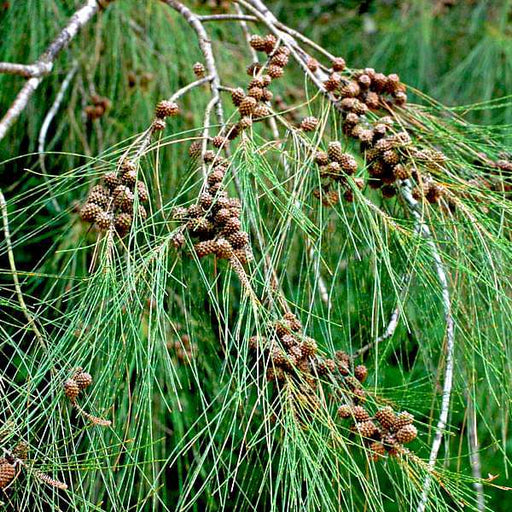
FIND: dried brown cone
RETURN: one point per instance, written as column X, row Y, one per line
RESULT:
column 166, row 108
column 386, row 417
column 239, row 239
column 377, row 450
column 194, row 149
column 321, row 158
column 312, row 64
column 338, row 64
column 218, row 141
column 20, row 451
column 292, row 321
column 278, row 357
column 260, row 111
column 237, row 96
column 83, row 379
column 288, row 341
column 231, row 226
column 223, row 249
column 361, row 372
column 309, row 347
column 71, row 389
column 258, row 43
column 266, row 95
column 123, row 197
column 270, row 43
column 199, row 70
column 309, row 124
column 364, row 81
column 247, row 106
column 335, row 151
column 205, row 248
column 129, row 178
column 279, row 59
column 111, row 180
column 178, row 240
column 104, row 220
column 350, row 90
column 141, row 211
column 142, row 192
column 245, row 123
column 403, row 419
column 345, row 411
column 407, row 434
column 401, row 172
column 254, row 68
column 391, row 157
column 366, row 428
column 275, row 71
column 244, row 256
column 360, row 413
column 90, row 211
column 333, row 82
column 379, row 81
column 123, row 222
column 7, row 473
column 348, row 163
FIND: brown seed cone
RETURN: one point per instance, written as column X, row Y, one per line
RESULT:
column 141, row 211
column 100, row 190
column 222, row 216
column 247, row 106
column 321, row 158
column 379, row 81
column 231, row 226
column 360, row 413
column 309, row 347
column 364, row 81
column 377, row 450
column 359, row 395
column 83, row 380
column 206, row 200
column 352, row 382
column 282, row 328
column 255, row 92
column 392, row 83
column 215, row 176
column 90, row 211
column 309, row 124
column 7, row 473
column 288, row 341
column 205, row 248
column 384, row 145
column 266, row 95
column 237, row 96
column 201, row 227
column 111, row 180
column 104, row 220
column 366, row 428
column 292, row 321
column 142, row 192
column 178, row 240
column 20, row 450
column 333, row 82
column 279, row 59
column 223, row 249
column 348, row 104
column 270, row 43
column 128, row 165
column 406, row 434
column 350, row 90
column 245, row 122
column 391, row 157
column 121, row 195
column 244, row 256
column 129, row 178
column 123, row 222
column 275, row 71
column 379, row 131
column 239, row 239
column 278, row 357
column 351, row 119
column 254, row 68
column 194, row 211
column 343, row 357
column 158, row 125
column 334, row 151
column 312, row 64
column 401, row 172
column 218, row 141
column 360, row 372
column 258, row 43
column 403, row 419
column 359, row 107
column 338, row 64
column 71, row 389
column 260, row 111
column 386, row 417
column 345, row 411
column 199, row 70
column 433, row 193
column 348, row 163
column 366, row 136
column 166, row 108
column 194, row 149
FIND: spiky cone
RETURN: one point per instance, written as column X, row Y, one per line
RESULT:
column 377, row 450
column 194, row 150
column 345, row 411
column 247, row 106
column 245, row 123
column 275, row 71
column 219, row 141
column 223, row 249
column 253, row 69
column 386, row 417
column 83, row 379
column 333, row 82
column 366, row 429
column 266, row 95
column 379, row 81
column 292, row 321
column 275, row 374
column 282, row 328
column 129, row 178
column 350, row 90
column 309, row 347
column 239, row 239
column 334, row 151
column 142, row 192
column 178, row 240
column 123, row 222
column 360, row 414
column 7, row 473
column 348, row 163
column 338, row 64
column 393, row 83
column 231, row 226
column 257, row 42
column 278, row 357
column 332, row 170
column 352, row 383
column 403, row 419
column 270, row 43
column 288, row 341
column 359, row 396
column 361, row 372
column 166, row 108
column 401, row 172
column 309, row 124
column 359, row 107
column 104, row 220
column 111, row 180
column 199, row 70
column 406, row 434
column 391, row 157
column 364, row 81
column 260, row 111
column 321, row 158
column 237, row 96
column 279, row 59
column 71, row 389
column 348, row 104
column 90, row 211
column 244, row 256
column 205, row 248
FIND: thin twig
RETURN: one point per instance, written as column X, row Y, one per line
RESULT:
column 228, row 17
column 44, row 64
column 14, row 272
column 390, row 330
column 46, row 124
column 423, row 229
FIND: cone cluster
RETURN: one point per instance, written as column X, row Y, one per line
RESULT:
column 111, row 204
column 77, row 383
column 335, row 167
column 214, row 221
column 384, row 433
column 99, row 105
column 184, row 349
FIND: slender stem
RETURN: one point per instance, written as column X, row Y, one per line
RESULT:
column 227, row 17
column 26, row 312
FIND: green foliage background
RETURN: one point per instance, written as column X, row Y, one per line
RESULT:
column 201, row 436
